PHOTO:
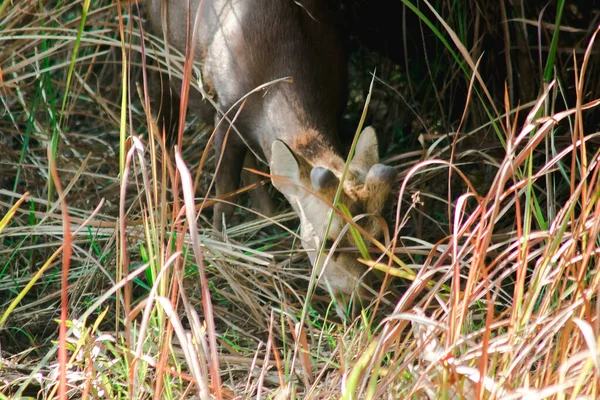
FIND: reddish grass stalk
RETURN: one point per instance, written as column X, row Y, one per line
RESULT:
column 276, row 354
column 64, row 290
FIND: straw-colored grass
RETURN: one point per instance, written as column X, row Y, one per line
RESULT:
column 114, row 285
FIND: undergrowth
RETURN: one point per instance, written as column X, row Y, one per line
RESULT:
column 113, row 283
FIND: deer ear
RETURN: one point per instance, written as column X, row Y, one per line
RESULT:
column 378, row 184
column 367, row 152
column 323, row 179
column 285, row 170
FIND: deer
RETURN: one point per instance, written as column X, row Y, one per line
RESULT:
column 293, row 126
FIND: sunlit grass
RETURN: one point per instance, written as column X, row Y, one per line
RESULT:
column 490, row 273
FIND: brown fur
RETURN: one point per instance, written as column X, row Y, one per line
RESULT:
column 242, row 44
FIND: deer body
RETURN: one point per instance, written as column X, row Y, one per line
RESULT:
column 243, row 44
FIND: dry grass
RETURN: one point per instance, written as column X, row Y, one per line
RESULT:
column 491, row 266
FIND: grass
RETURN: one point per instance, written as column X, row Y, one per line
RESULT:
column 113, row 284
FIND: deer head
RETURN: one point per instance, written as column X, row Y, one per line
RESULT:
column 308, row 173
